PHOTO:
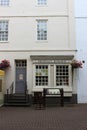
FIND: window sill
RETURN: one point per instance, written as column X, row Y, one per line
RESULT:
column 41, row 6
column 44, row 41
column 3, row 42
column 4, row 6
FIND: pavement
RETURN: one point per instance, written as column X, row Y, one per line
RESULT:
column 72, row 117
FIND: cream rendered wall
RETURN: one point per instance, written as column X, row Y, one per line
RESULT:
column 81, row 41
column 25, row 55
column 29, row 8
column 22, row 16
column 23, row 34
column 10, row 73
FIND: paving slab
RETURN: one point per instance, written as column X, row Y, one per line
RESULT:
column 52, row 118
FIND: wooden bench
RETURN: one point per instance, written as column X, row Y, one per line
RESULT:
column 40, row 97
column 57, row 92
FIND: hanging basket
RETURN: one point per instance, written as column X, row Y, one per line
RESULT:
column 4, row 64
column 75, row 67
column 76, row 64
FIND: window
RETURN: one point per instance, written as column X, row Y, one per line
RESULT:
column 42, row 30
column 21, row 63
column 42, row 2
column 62, row 75
column 52, row 75
column 41, row 75
column 4, row 2
column 3, row 31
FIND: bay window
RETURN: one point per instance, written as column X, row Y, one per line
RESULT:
column 55, row 75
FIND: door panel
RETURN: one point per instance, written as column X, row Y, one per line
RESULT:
column 20, row 80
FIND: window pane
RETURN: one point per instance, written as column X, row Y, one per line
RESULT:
column 41, row 75
column 4, row 2
column 41, row 30
column 62, row 75
column 3, row 30
column 42, row 2
column 21, row 63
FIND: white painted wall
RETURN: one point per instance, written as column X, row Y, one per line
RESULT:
column 22, row 16
column 25, row 55
column 23, row 34
column 29, row 8
column 81, row 41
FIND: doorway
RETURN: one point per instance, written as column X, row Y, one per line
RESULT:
column 20, row 76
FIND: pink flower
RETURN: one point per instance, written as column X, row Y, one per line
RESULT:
column 4, row 64
column 77, row 64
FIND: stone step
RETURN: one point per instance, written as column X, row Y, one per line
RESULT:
column 16, row 99
column 16, row 104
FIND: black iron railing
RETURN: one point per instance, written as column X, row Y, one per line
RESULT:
column 10, row 89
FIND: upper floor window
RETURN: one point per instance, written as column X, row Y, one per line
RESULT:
column 4, row 2
column 42, row 30
column 3, row 30
column 42, row 2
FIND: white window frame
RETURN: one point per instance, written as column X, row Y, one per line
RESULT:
column 44, row 38
column 49, row 75
column 34, row 76
column 70, row 81
column 41, row 2
column 4, row 31
column 4, row 2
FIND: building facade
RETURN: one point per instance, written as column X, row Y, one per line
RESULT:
column 81, row 41
column 38, row 38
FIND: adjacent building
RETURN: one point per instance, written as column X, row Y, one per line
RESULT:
column 81, row 41
column 38, row 38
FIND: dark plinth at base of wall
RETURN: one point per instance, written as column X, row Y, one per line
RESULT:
column 50, row 101
column 74, row 99
column 55, row 101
